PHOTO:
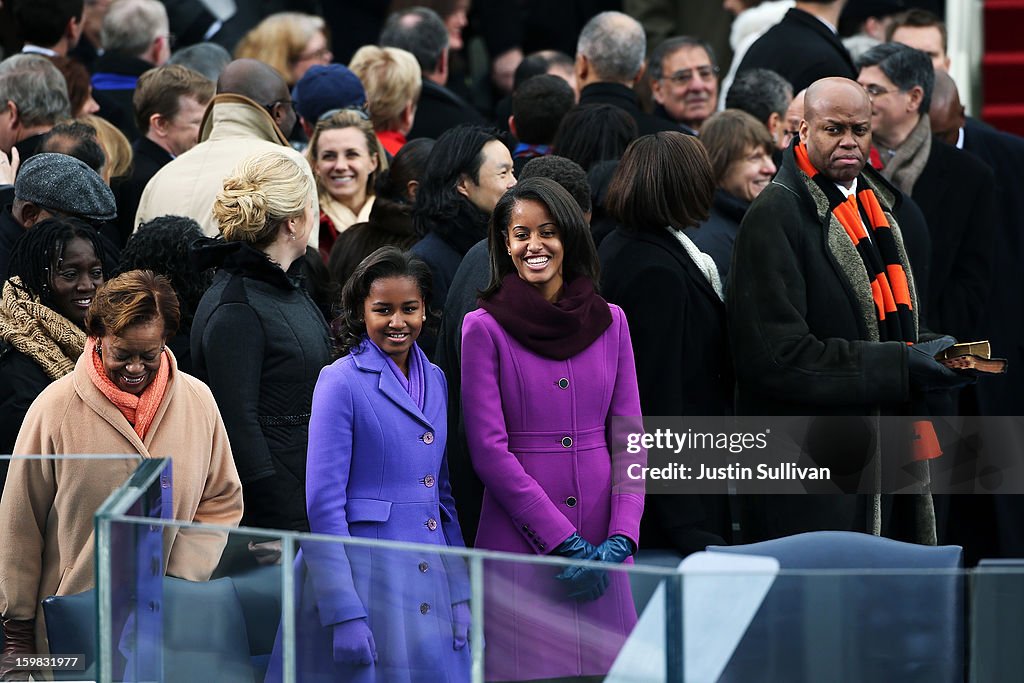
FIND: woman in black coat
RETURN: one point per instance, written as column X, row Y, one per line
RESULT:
column 740, row 149
column 258, row 340
column 672, row 297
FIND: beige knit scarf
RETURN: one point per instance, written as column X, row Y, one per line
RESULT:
column 39, row 332
column 904, row 167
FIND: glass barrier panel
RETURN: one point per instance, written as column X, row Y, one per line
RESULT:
column 47, row 557
column 282, row 606
column 362, row 609
column 997, row 621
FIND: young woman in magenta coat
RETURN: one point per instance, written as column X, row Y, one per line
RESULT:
column 376, row 469
column 547, row 365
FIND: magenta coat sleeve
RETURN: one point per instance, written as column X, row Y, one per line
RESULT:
column 523, row 499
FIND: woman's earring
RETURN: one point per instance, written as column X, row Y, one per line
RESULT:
column 424, row 318
column 509, row 252
column 99, row 352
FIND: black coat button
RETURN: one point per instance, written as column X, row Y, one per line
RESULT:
column 424, row 608
column 424, row 567
column 563, row 383
column 571, row 501
column 567, row 442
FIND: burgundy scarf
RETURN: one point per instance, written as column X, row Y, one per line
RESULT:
column 557, row 330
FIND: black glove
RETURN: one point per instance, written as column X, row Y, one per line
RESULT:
column 616, row 549
column 584, row 583
column 928, row 374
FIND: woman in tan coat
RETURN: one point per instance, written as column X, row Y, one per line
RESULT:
column 125, row 396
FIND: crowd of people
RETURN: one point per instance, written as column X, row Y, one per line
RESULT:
column 419, row 298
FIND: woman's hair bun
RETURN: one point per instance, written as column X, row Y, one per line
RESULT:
column 241, row 208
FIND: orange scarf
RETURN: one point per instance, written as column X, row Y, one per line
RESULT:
column 890, row 288
column 138, row 410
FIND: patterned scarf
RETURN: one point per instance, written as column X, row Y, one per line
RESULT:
column 138, row 410
column 889, row 286
column 39, row 332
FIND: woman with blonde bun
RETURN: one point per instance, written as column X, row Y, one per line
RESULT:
column 258, row 340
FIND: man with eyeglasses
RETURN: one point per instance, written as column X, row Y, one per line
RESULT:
column 954, row 190
column 684, row 82
column 136, row 38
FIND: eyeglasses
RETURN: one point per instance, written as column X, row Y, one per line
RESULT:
column 684, row 76
column 321, row 54
column 171, row 39
column 876, row 90
column 360, row 111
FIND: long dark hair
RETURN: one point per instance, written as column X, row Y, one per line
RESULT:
column 458, row 152
column 386, row 262
column 579, row 254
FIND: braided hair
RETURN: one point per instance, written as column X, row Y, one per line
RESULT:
column 38, row 250
column 163, row 245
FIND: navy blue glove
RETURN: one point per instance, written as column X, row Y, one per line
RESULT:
column 928, row 374
column 584, row 583
column 616, row 549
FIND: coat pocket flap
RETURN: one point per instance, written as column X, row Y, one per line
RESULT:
column 367, row 510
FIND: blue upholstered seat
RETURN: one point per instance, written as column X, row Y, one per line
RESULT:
column 204, row 632
column 871, row 622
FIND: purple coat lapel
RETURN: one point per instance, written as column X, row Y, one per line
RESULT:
column 370, row 360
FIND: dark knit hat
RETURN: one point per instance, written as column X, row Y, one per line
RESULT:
column 64, row 184
column 326, row 87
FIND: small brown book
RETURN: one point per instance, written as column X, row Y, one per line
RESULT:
column 972, row 357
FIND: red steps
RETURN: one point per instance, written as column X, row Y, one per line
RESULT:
column 1002, row 65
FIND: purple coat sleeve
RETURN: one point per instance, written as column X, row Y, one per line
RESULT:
column 521, row 496
column 328, row 460
column 624, row 417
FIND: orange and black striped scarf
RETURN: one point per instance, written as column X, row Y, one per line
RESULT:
column 889, row 288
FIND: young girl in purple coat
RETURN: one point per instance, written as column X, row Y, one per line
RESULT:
column 376, row 469
column 548, row 381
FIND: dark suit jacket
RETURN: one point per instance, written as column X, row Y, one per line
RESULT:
column 1004, row 319
column 677, row 326
column 116, row 102
column 148, row 158
column 440, row 109
column 624, row 98
column 801, row 49
column 956, row 194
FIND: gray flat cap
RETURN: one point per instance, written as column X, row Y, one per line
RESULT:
column 66, row 185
